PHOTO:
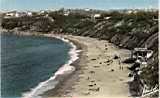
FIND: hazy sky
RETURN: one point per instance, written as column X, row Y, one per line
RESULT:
column 94, row 4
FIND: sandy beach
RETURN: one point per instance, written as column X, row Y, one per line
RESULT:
column 98, row 74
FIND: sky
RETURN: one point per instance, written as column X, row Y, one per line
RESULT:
column 36, row 5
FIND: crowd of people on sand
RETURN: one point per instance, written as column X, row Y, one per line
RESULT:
column 135, row 69
column 100, row 57
column 93, row 85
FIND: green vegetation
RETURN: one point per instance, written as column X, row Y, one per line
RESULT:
column 127, row 30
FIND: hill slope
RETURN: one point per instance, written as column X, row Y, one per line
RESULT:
column 126, row 30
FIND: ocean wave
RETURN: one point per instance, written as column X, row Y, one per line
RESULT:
column 63, row 71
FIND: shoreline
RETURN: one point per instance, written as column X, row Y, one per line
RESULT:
column 65, row 71
column 76, row 85
column 60, row 75
column 67, row 83
column 75, row 64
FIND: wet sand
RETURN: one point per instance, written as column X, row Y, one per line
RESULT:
column 98, row 73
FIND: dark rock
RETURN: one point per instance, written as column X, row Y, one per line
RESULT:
column 116, row 57
column 129, row 60
column 92, row 71
column 90, row 85
column 130, row 75
column 96, row 66
column 92, row 81
column 95, row 89
column 134, row 66
column 112, row 70
column 93, row 59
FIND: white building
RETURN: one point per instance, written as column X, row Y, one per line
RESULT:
column 129, row 12
column 66, row 13
column 87, row 9
column 9, row 14
column 97, row 15
column 17, row 14
column 107, row 18
column 132, row 11
column 29, row 13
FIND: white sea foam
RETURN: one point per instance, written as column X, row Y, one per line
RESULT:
column 65, row 70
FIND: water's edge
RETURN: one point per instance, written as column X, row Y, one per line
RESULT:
column 64, row 71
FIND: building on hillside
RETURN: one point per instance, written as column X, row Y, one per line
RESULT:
column 66, row 12
column 11, row 14
column 87, row 9
column 14, row 14
column 131, row 11
column 29, row 13
column 17, row 14
column 95, row 17
column 143, row 54
column 106, row 18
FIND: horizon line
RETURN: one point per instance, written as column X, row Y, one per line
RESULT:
column 55, row 9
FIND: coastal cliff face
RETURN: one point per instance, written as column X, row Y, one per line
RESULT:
column 126, row 30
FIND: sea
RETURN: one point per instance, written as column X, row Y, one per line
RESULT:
column 29, row 64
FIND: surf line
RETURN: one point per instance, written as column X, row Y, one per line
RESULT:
column 63, row 71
